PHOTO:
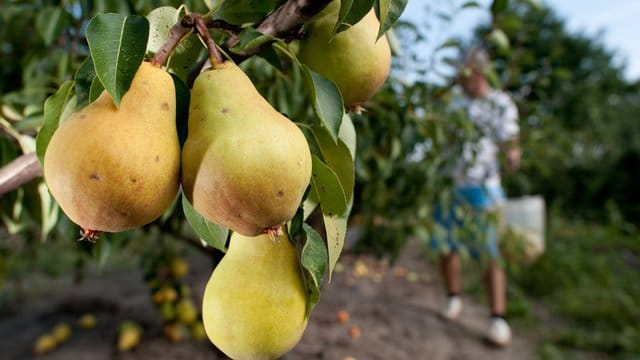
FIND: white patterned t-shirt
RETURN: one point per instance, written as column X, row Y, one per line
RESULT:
column 497, row 118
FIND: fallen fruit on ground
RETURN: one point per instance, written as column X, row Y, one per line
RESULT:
column 342, row 316
column 244, row 165
column 197, row 331
column 61, row 332
column 129, row 335
column 44, row 344
column 87, row 321
column 254, row 303
column 186, row 311
column 179, row 268
column 112, row 169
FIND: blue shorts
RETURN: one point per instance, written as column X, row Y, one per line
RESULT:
column 465, row 224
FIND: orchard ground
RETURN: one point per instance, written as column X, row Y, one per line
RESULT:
column 392, row 314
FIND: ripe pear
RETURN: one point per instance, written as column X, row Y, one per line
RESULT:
column 244, row 165
column 254, row 303
column 112, row 169
column 354, row 60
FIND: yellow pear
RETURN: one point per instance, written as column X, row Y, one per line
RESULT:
column 244, row 165
column 254, row 303
column 354, row 60
column 112, row 169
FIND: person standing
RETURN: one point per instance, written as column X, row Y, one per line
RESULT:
column 478, row 187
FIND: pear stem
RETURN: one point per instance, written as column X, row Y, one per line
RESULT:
column 214, row 54
column 177, row 32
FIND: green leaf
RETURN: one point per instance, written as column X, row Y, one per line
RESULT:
column 185, row 55
column 12, row 216
column 336, row 228
column 183, row 98
column 84, row 78
column 348, row 134
column 327, row 100
column 117, row 45
column 351, row 12
column 49, row 211
column 294, row 226
column 95, row 90
column 102, row 250
column 188, row 51
column 327, row 187
column 51, row 22
column 390, row 11
column 53, row 108
column 498, row 6
column 250, row 38
column 313, row 258
column 113, row 6
column 470, row 4
column 212, row 234
column 338, row 157
column 309, row 205
column 499, row 39
column 269, row 54
column 161, row 20
column 536, row 4
column 449, row 43
column 245, row 11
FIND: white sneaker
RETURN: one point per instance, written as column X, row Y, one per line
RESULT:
column 499, row 332
column 452, row 308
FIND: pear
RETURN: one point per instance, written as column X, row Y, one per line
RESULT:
column 354, row 60
column 244, row 165
column 254, row 303
column 113, row 169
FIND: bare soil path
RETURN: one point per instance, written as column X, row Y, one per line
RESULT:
column 393, row 315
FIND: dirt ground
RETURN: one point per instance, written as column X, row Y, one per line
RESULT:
column 393, row 315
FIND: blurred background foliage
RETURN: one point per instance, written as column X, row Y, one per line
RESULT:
column 580, row 138
column 579, row 116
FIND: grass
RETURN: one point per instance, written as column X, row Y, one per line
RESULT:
column 589, row 279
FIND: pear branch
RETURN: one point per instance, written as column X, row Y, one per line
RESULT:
column 176, row 34
column 284, row 23
column 223, row 25
column 19, row 172
column 290, row 16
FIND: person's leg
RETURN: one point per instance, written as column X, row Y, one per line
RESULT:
column 496, row 285
column 495, row 282
column 450, row 267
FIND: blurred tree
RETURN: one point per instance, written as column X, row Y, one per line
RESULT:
column 579, row 113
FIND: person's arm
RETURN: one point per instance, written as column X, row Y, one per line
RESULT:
column 512, row 153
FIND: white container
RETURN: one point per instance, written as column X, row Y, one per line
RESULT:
column 523, row 225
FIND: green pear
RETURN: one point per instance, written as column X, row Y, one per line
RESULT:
column 244, row 165
column 113, row 169
column 354, row 59
column 254, row 303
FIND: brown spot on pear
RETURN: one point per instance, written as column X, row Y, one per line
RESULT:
column 94, row 153
column 254, row 304
column 354, row 60
column 250, row 160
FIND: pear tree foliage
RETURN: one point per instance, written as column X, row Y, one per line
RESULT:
column 262, row 37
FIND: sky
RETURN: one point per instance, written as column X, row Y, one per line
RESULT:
column 618, row 20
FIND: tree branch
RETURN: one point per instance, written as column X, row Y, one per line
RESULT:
column 285, row 23
column 290, row 17
column 19, row 172
column 177, row 32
